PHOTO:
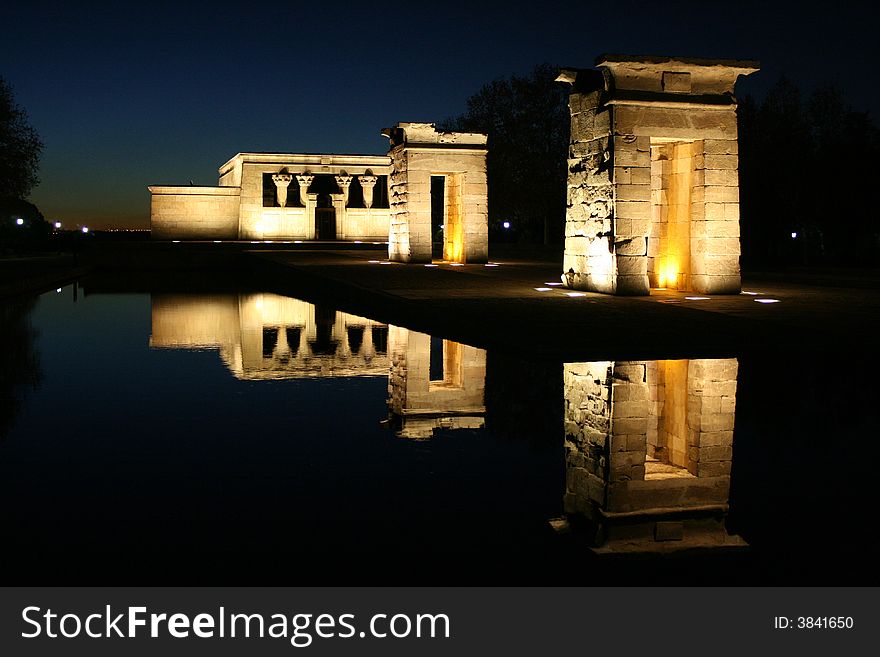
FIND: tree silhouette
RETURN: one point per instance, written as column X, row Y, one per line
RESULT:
column 807, row 168
column 527, row 120
column 20, row 147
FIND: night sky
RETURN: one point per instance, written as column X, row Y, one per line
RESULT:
column 140, row 93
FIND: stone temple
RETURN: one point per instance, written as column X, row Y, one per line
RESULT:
column 432, row 183
column 653, row 195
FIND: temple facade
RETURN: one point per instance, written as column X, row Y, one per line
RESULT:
column 430, row 189
column 275, row 196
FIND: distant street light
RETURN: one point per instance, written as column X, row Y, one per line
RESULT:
column 506, row 224
column 793, row 235
column 85, row 229
column 57, row 225
column 19, row 221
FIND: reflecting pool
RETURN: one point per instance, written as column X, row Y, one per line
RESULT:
column 244, row 437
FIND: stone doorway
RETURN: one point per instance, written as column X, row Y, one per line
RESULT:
column 673, row 204
column 438, row 215
column 325, row 218
column 447, row 225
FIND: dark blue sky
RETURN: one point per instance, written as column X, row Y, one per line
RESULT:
column 137, row 93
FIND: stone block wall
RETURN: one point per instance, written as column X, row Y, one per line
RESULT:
column 409, row 236
column 588, row 259
column 366, row 224
column 715, row 245
column 194, row 213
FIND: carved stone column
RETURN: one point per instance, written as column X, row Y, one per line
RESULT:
column 308, row 201
column 344, row 183
column 281, row 180
column 304, row 180
column 367, row 184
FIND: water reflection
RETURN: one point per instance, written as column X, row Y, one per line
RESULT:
column 432, row 383
column 267, row 336
column 19, row 361
column 149, row 462
column 649, row 447
column 648, row 443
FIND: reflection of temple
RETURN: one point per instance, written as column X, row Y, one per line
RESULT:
column 648, row 451
column 434, row 383
column 267, row 336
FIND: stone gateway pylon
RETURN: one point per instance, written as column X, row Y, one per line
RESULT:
column 419, row 153
column 653, row 192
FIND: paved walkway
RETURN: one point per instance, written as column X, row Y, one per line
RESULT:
column 516, row 305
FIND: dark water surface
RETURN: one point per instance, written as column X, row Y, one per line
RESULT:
column 240, row 438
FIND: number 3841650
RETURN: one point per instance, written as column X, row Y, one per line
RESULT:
column 814, row 622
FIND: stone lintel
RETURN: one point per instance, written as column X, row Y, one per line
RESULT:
column 667, row 62
column 426, row 135
column 660, row 99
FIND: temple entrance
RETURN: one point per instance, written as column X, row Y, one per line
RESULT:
column 672, row 185
column 325, row 218
column 447, row 227
column 438, row 215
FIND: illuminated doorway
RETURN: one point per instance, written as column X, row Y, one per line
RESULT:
column 670, row 261
column 447, row 220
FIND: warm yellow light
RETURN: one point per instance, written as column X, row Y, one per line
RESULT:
column 668, row 276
